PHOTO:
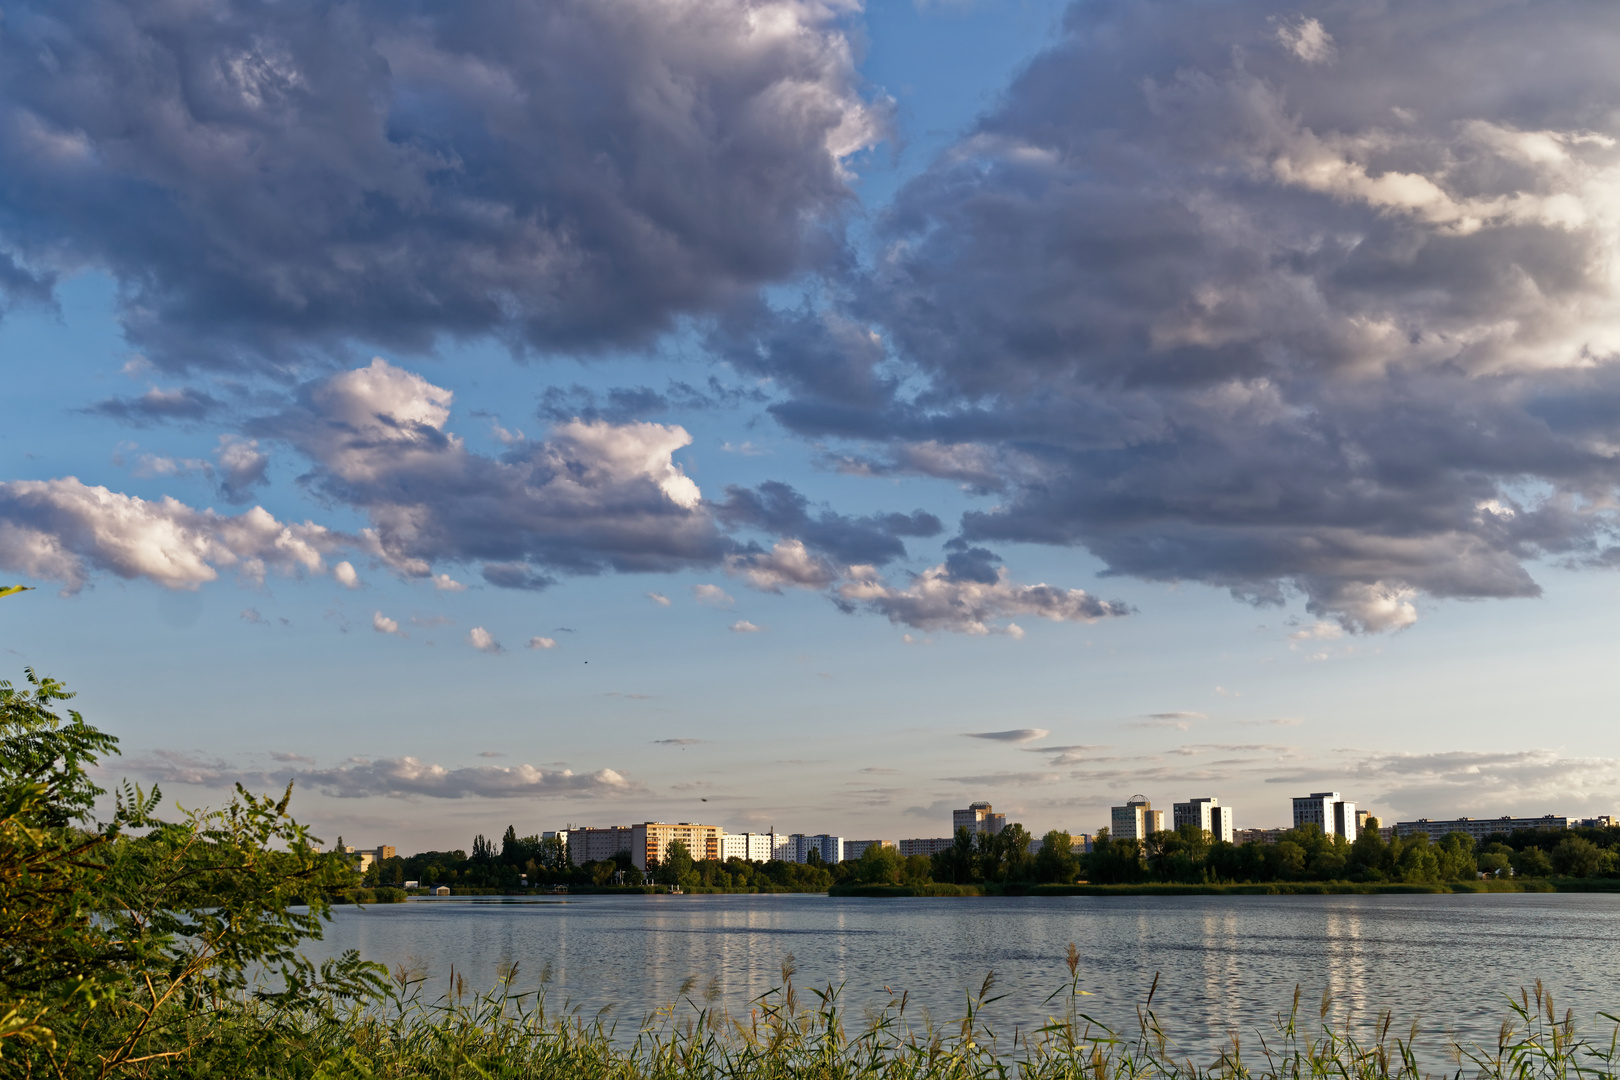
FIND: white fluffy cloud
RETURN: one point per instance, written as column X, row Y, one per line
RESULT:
column 383, row 624
column 542, row 643
column 63, row 530
column 935, row 600
column 712, row 595
column 593, row 495
column 345, row 575
column 484, row 641
column 743, row 626
column 789, row 563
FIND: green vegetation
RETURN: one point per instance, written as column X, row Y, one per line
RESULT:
column 1188, row 860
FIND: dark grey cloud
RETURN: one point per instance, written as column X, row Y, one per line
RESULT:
column 569, row 175
column 158, row 405
column 619, row 404
column 777, row 508
column 1314, row 304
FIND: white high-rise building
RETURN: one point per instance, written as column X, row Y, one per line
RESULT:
column 978, row 818
column 1135, row 820
column 1207, row 814
column 830, row 848
column 749, row 846
column 1328, row 812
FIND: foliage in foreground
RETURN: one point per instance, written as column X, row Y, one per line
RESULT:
column 511, row 1035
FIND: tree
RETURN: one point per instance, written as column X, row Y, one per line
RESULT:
column 114, row 934
column 1532, row 862
column 1576, row 856
column 1055, row 861
column 879, row 864
column 676, row 865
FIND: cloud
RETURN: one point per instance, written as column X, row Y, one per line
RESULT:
column 676, row 742
column 252, row 615
column 344, row 574
column 936, row 600
column 1307, row 308
column 658, row 598
column 159, row 405
column 241, row 467
column 64, row 530
column 712, row 595
column 445, row 583
column 542, row 643
column 408, row 777
column 1176, row 716
column 743, row 626
column 283, row 756
column 1008, row 779
column 1488, row 783
column 788, row 563
column 490, row 754
column 484, row 641
column 1015, row 735
column 592, row 496
column 358, row 175
column 431, row 620
column 778, row 509
column 383, row 624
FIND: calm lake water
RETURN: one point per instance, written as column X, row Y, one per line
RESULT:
column 1226, row 964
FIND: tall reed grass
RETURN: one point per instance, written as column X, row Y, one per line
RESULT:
column 790, row 1033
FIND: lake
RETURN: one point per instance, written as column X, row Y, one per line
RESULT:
column 1226, row 964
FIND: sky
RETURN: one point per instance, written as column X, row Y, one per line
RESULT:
column 805, row 415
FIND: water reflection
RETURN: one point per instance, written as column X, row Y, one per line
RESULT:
column 1227, row 964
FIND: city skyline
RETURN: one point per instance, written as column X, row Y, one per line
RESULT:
column 793, row 411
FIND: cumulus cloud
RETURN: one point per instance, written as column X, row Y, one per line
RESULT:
column 778, row 509
column 484, row 641
column 789, row 563
column 158, row 405
column 1015, row 735
column 658, row 598
column 937, row 600
column 542, row 643
column 445, row 583
column 383, row 624
column 288, row 176
column 63, row 530
column 592, row 496
column 712, row 595
column 240, row 467
column 1315, row 306
column 743, row 626
column 345, row 575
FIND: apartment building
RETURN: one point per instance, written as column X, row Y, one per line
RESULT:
column 597, row 845
column 750, row 846
column 1478, row 828
column 1207, row 814
column 1328, row 811
column 650, row 840
column 978, row 818
column 1135, row 820
column 830, row 848
column 933, row 846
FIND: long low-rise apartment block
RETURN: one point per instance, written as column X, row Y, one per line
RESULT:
column 930, row 846
column 646, row 843
column 1478, row 828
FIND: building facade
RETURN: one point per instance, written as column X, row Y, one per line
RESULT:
column 650, row 840
column 977, row 818
column 1328, row 811
column 830, row 848
column 1478, row 828
column 854, row 849
column 931, row 846
column 1207, row 814
column 1135, row 820
column 751, row 846
column 597, row 845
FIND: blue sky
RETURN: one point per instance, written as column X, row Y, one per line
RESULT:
column 804, row 416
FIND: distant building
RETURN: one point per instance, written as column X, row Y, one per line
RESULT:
column 854, row 849
column 749, row 846
column 908, row 848
column 1257, row 836
column 645, row 842
column 830, row 848
column 1603, row 822
column 1478, row 828
column 1135, row 820
column 1207, row 814
column 1328, row 812
column 978, row 818
column 597, row 845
